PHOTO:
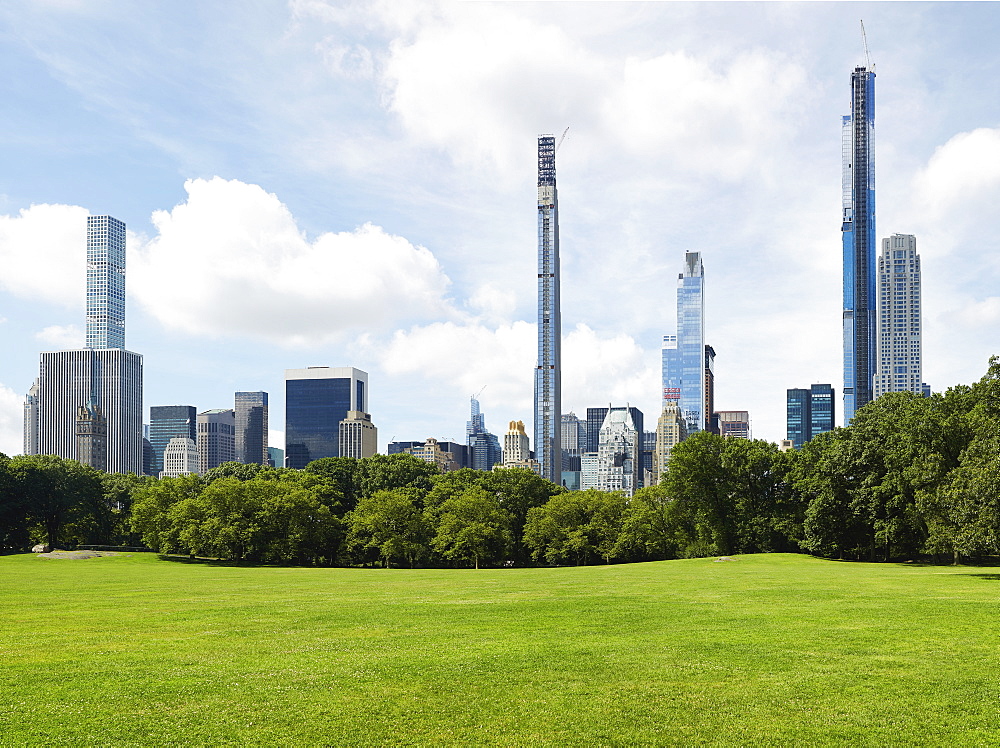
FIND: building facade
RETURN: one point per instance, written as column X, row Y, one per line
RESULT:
column 671, row 430
column 317, row 399
column 898, row 347
column 165, row 423
column 31, row 421
column 618, row 453
column 216, row 438
column 685, row 372
column 734, row 423
column 180, row 457
column 431, row 451
column 548, row 372
column 809, row 413
column 109, row 379
column 517, row 449
column 91, row 436
column 595, row 421
column 105, row 282
column 358, row 435
column 858, row 233
column 251, row 427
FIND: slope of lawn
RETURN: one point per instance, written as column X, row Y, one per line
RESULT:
column 776, row 649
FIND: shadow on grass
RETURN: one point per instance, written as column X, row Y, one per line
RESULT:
column 988, row 577
column 199, row 561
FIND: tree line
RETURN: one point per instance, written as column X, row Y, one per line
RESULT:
column 911, row 477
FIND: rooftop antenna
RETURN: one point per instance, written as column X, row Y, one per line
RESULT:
column 561, row 139
column 864, row 40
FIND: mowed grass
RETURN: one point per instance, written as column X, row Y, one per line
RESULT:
column 760, row 650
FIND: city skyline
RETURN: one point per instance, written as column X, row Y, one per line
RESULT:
column 367, row 203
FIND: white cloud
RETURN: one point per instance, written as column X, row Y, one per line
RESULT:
column 231, row 260
column 60, row 337
column 11, row 422
column 42, row 253
column 963, row 170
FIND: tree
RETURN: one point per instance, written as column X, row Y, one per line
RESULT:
column 55, row 492
column 386, row 472
column 389, row 524
column 152, row 518
column 575, row 526
column 341, row 472
column 471, row 527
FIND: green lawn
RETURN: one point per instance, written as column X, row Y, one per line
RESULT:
column 760, row 650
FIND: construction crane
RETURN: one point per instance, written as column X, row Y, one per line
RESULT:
column 476, row 396
column 561, row 139
column 864, row 40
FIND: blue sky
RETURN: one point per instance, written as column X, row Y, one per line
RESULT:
column 310, row 183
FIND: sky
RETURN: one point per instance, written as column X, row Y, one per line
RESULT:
column 353, row 184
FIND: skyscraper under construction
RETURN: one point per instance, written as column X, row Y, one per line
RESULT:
column 548, row 372
column 858, row 231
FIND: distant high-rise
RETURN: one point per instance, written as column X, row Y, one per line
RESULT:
column 105, row 282
column 357, row 435
column 31, row 420
column 91, row 436
column 548, row 372
column 180, row 457
column 165, row 423
column 618, row 453
column 517, row 448
column 858, row 232
column 484, row 447
column 109, row 379
column 734, row 423
column 216, row 438
column 251, row 428
column 317, row 399
column 809, row 413
column 671, row 430
column 898, row 345
column 685, row 357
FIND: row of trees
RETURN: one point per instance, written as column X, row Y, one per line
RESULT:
column 910, row 477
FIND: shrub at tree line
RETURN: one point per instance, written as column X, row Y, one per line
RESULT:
column 910, row 477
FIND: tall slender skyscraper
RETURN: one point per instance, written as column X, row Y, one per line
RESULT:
column 899, row 366
column 105, row 282
column 685, row 357
column 251, row 428
column 548, row 373
column 858, row 229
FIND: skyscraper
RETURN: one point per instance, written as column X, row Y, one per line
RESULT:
column 858, row 232
column 898, row 345
column 165, row 423
column 618, row 453
column 809, row 413
column 317, row 399
column 734, row 423
column 31, row 420
column 216, row 438
column 595, row 421
column 671, row 430
column 108, row 378
column 251, row 427
column 357, row 435
column 685, row 357
column 105, row 282
column 548, row 372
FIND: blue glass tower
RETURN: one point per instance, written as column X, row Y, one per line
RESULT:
column 684, row 355
column 317, row 399
column 105, row 282
column 548, row 372
column 858, row 229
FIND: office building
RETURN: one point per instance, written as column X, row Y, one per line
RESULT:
column 105, row 282
column 216, row 438
column 147, row 452
column 180, row 457
column 483, row 446
column 573, row 438
column 734, row 423
column 671, row 430
column 618, row 453
column 275, row 457
column 317, row 399
column 589, row 464
column 548, row 372
column 358, row 435
column 712, row 424
column 251, row 427
column 858, row 233
column 31, row 420
column 686, row 361
column 91, row 436
column 898, row 345
column 517, row 449
column 647, row 458
column 432, row 452
column 109, row 379
column 595, row 420
column 809, row 413
column 460, row 453
column 166, row 422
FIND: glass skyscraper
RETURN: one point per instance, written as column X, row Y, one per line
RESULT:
column 548, row 372
column 317, row 399
column 809, row 413
column 858, row 231
column 105, row 282
column 251, row 427
column 684, row 354
column 165, row 423
column 899, row 366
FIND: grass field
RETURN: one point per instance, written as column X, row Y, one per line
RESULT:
column 775, row 650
